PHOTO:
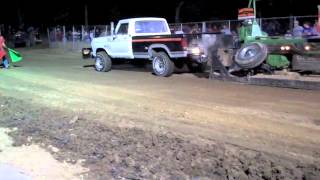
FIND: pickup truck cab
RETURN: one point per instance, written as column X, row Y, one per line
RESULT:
column 146, row 38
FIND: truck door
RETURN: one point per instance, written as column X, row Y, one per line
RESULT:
column 122, row 42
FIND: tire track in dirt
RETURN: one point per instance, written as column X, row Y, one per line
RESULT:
column 147, row 111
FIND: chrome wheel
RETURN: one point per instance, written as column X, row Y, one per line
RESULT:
column 159, row 65
column 99, row 63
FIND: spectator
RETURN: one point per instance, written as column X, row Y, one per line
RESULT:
column 316, row 29
column 70, row 35
column 97, row 32
column 307, row 29
column 209, row 29
column 186, row 29
column 87, row 36
column 32, row 36
column 271, row 28
column 91, row 35
column 77, row 35
column 195, row 29
column 288, row 34
column 53, row 35
column 234, row 32
column 59, row 34
column 277, row 28
column 3, row 53
column 297, row 29
column 225, row 30
column 215, row 28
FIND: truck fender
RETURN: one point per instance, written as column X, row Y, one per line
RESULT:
column 157, row 47
column 99, row 50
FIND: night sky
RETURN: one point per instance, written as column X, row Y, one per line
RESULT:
column 102, row 12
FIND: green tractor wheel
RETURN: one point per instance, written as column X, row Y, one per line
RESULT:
column 251, row 55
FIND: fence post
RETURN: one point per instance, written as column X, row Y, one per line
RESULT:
column 2, row 30
column 83, row 31
column 204, row 27
column 55, row 37
column 106, row 34
column 229, row 25
column 259, row 21
column 49, row 39
column 64, row 39
column 318, row 14
column 94, row 31
column 112, row 28
column 73, row 34
column 291, row 24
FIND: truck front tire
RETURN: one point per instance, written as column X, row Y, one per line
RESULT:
column 103, row 62
column 162, row 64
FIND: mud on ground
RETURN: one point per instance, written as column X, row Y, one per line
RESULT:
column 131, row 153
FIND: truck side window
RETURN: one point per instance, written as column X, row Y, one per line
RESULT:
column 150, row 26
column 123, row 29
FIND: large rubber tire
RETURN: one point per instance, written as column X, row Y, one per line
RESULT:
column 103, row 62
column 251, row 55
column 162, row 64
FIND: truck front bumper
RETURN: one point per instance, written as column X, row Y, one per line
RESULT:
column 201, row 58
column 197, row 54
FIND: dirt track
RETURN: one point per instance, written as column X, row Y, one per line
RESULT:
column 140, row 126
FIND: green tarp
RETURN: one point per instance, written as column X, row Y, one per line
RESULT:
column 14, row 55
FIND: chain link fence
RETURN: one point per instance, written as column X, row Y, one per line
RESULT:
column 24, row 37
column 78, row 36
column 75, row 37
column 277, row 26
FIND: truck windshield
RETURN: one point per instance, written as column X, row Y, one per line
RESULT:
column 151, row 27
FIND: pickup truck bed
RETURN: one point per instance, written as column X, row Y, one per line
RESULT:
column 175, row 45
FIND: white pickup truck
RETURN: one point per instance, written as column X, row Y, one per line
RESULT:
column 146, row 38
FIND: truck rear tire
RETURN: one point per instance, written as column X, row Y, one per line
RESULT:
column 251, row 55
column 162, row 64
column 103, row 62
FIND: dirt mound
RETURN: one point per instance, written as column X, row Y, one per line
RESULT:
column 131, row 153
